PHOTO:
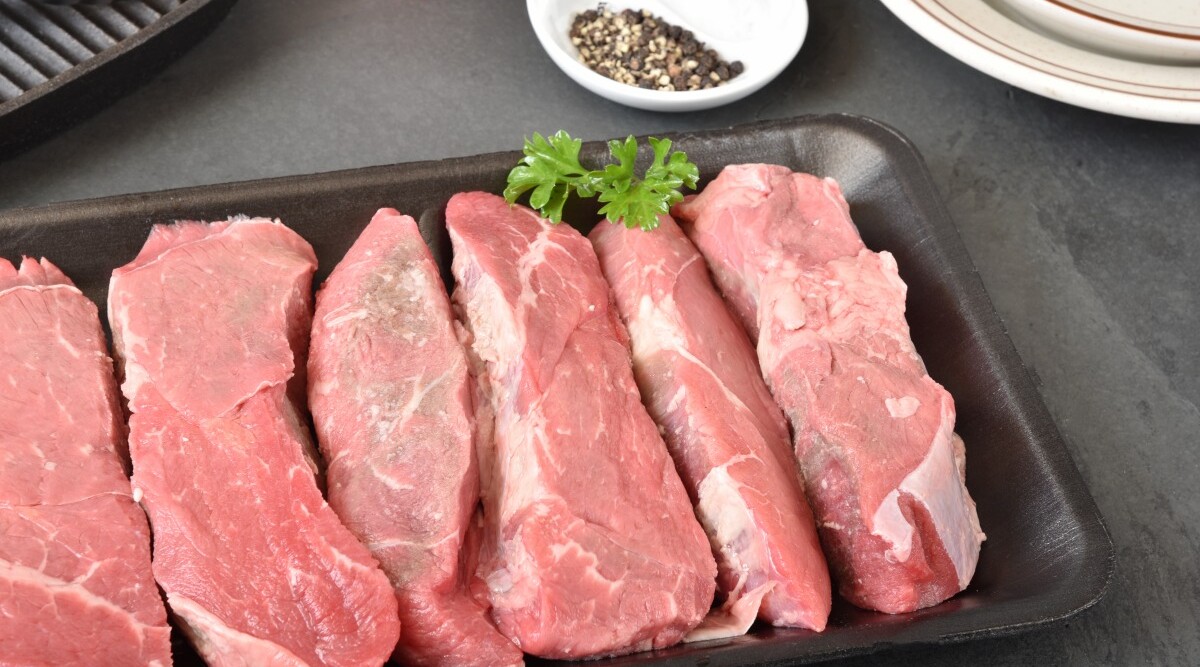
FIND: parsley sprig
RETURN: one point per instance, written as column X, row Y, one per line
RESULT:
column 551, row 171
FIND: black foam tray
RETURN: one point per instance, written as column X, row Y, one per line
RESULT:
column 63, row 60
column 1048, row 555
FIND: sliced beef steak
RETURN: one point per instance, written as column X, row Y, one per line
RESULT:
column 391, row 397
column 700, row 380
column 590, row 545
column 75, row 581
column 210, row 321
column 874, row 434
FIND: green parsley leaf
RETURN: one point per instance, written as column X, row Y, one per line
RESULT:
column 551, row 171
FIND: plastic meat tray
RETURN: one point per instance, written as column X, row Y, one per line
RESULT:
column 1047, row 556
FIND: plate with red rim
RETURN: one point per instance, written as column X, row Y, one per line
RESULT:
column 1048, row 555
column 1170, row 17
column 1150, row 36
column 1077, row 52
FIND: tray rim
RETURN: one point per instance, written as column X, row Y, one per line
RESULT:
column 963, row 279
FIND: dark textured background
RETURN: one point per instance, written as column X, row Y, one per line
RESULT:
column 1084, row 226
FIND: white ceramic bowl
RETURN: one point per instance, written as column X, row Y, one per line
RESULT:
column 764, row 34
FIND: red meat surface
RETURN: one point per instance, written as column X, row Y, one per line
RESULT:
column 391, row 398
column 590, row 544
column 874, row 434
column 211, row 322
column 701, row 383
column 75, row 582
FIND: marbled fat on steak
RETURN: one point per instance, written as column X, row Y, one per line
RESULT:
column 211, row 322
column 701, row 382
column 874, row 434
column 75, row 581
column 391, row 398
column 590, row 545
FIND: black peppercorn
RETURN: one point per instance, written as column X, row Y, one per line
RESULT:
column 640, row 49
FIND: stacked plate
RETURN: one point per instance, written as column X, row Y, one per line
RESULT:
column 1138, row 59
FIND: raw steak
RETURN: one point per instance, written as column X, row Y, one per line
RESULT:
column 75, row 580
column 590, row 547
column 209, row 321
column 701, row 382
column 873, row 432
column 392, row 402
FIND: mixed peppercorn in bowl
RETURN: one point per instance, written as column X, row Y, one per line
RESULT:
column 665, row 56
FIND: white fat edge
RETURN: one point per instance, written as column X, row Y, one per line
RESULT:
column 731, row 620
column 495, row 346
column 343, row 314
column 414, row 280
column 655, row 327
column 517, row 465
column 677, row 400
column 127, row 346
column 591, row 569
column 936, row 483
column 295, row 576
column 789, row 310
column 220, row 644
column 326, row 386
column 533, row 257
column 16, row 573
column 388, row 480
column 960, row 457
column 498, row 338
column 39, row 288
column 498, row 341
column 772, row 348
column 903, row 407
column 516, row 584
column 858, row 305
column 832, row 191
column 380, row 545
column 232, row 220
column 135, row 377
column 387, row 427
column 727, row 520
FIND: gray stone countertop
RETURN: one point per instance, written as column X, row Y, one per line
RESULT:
column 1085, row 227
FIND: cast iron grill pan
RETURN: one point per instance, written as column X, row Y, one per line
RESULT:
column 62, row 60
column 1047, row 556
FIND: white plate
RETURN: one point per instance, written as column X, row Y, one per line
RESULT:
column 1139, row 37
column 764, row 34
column 1176, row 17
column 997, row 39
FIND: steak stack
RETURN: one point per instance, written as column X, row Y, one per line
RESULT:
column 590, row 546
column 700, row 380
column 392, row 400
column 75, row 581
column 211, row 322
column 874, row 434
